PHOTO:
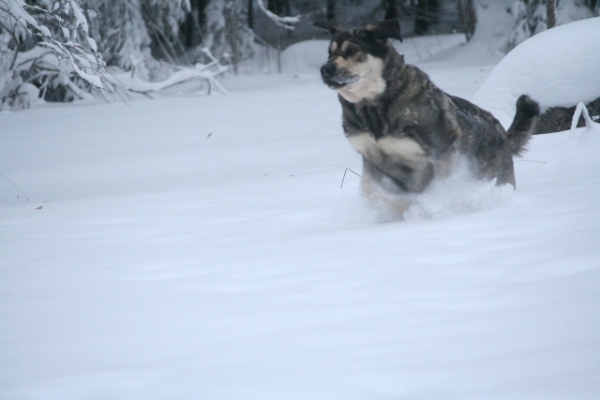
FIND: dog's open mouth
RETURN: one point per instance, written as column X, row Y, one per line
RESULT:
column 339, row 81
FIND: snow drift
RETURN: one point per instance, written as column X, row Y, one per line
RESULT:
column 558, row 67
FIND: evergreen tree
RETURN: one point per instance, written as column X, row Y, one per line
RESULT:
column 226, row 32
column 163, row 19
column 426, row 15
column 46, row 49
column 390, row 8
column 59, row 49
column 119, row 29
column 531, row 16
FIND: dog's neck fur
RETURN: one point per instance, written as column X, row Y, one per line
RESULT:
column 370, row 84
column 375, row 78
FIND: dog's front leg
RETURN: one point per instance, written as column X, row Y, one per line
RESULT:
column 380, row 191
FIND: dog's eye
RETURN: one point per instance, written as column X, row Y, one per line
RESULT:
column 350, row 51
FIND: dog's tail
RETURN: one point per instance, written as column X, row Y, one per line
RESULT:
column 523, row 125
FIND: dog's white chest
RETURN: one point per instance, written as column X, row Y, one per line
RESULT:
column 405, row 149
column 370, row 83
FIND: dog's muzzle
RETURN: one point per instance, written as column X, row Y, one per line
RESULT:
column 335, row 77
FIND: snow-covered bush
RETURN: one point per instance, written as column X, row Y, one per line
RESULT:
column 59, row 50
column 530, row 16
column 47, row 45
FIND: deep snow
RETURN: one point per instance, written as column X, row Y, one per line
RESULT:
column 200, row 247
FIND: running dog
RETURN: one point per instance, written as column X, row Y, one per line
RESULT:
column 407, row 130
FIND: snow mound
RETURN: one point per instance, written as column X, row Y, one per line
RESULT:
column 558, row 67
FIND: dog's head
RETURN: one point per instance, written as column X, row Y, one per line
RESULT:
column 356, row 58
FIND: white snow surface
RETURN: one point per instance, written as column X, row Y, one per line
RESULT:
column 200, row 247
column 558, row 67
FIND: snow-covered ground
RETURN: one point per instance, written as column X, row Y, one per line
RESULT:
column 200, row 247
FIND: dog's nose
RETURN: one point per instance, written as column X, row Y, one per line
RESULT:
column 328, row 69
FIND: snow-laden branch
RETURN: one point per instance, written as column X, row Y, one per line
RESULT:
column 207, row 72
column 64, row 55
column 86, row 63
column 80, row 62
column 581, row 109
column 16, row 10
column 284, row 22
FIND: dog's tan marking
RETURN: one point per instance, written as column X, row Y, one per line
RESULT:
column 365, row 144
column 333, row 47
column 370, row 83
column 404, row 148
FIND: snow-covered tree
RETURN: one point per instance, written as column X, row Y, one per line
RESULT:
column 163, row 19
column 62, row 50
column 531, row 16
column 46, row 49
column 285, row 22
column 227, row 34
column 119, row 29
column 59, row 49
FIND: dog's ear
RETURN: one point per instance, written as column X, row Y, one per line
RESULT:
column 330, row 26
column 385, row 29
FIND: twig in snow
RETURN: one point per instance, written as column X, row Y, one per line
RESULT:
column 18, row 188
column 344, row 177
column 539, row 162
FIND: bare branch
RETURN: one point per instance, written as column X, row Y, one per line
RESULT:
column 284, row 22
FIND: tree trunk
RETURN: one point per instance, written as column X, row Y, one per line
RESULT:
column 426, row 15
column 279, row 7
column 192, row 29
column 391, row 11
column 251, row 14
column 331, row 10
column 550, row 13
column 468, row 17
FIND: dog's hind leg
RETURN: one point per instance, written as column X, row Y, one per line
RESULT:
column 447, row 165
